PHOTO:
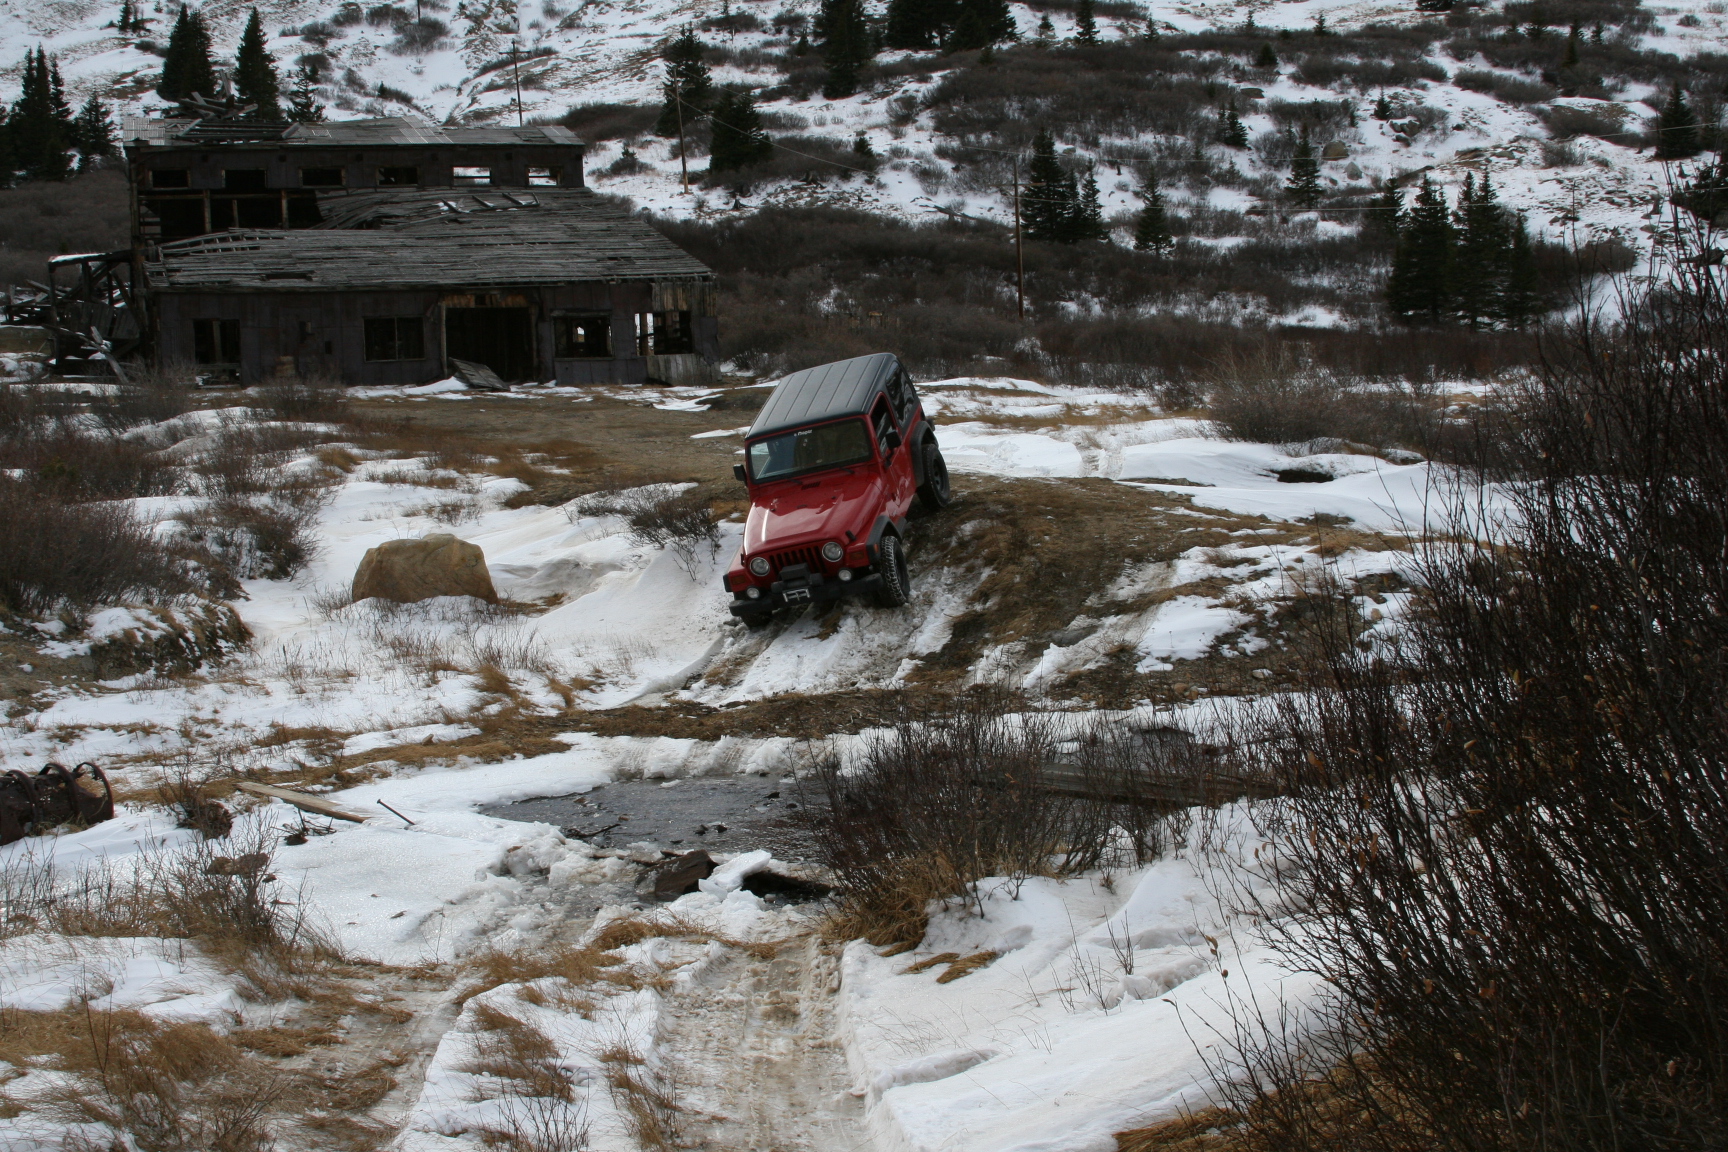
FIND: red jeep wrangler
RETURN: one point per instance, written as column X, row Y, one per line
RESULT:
column 832, row 463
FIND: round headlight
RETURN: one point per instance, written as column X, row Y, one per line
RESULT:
column 832, row 552
column 759, row 566
column 845, row 575
column 753, row 592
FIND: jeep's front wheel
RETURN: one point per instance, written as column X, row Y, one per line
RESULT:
column 896, row 587
column 936, row 492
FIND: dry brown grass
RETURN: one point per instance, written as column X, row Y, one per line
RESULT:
column 897, row 914
column 283, row 1042
column 967, row 965
column 930, row 962
column 520, row 1067
column 1209, row 1130
column 651, row 1113
column 172, row 1087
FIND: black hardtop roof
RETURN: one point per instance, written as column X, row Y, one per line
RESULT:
column 826, row 392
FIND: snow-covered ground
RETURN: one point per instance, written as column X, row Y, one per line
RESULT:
column 1106, row 992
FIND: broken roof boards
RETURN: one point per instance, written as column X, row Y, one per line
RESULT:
column 425, row 238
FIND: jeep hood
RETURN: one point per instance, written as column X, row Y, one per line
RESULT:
column 788, row 516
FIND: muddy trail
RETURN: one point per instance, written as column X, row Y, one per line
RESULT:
column 758, row 1068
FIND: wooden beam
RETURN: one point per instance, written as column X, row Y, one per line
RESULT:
column 304, row 801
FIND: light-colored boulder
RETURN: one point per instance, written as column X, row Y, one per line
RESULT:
column 1335, row 151
column 409, row 570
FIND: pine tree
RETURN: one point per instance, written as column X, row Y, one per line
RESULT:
column 687, row 79
column 1087, row 222
column 1676, row 129
column 846, row 46
column 1385, row 215
column 38, row 129
column 124, row 24
column 1382, row 108
column 1320, row 28
column 1421, row 283
column 919, row 24
column 186, row 69
column 861, row 147
column 1304, row 186
column 1085, row 23
column 1267, row 60
column 981, row 23
column 255, row 79
column 1230, row 129
column 93, row 132
column 1049, row 202
column 1520, row 297
column 1046, row 30
column 303, row 106
column 1479, row 264
column 1570, row 60
column 1152, row 227
column 737, row 138
column 1705, row 195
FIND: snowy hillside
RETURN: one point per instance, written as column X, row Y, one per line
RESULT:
column 378, row 62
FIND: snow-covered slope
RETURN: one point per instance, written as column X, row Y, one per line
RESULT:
column 604, row 52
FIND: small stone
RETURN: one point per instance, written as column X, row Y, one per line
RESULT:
column 1262, row 673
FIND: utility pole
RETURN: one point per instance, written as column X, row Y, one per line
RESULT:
column 516, row 67
column 1019, row 249
column 683, row 159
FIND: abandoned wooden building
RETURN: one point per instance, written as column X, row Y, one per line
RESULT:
column 378, row 251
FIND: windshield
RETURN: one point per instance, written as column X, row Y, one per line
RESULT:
column 824, row 446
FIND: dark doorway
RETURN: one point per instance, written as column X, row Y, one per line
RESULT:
column 500, row 338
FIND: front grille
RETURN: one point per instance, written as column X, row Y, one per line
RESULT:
column 810, row 554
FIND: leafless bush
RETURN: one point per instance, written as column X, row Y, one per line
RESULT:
column 1279, row 400
column 663, row 516
column 187, row 792
column 172, row 1087
column 305, row 398
column 54, row 553
column 1506, row 832
column 937, row 804
column 255, row 537
column 228, row 903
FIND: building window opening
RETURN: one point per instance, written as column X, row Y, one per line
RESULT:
column 171, row 178
column 583, row 337
column 322, row 177
column 244, row 180
column 396, row 177
column 545, row 177
column 471, row 177
column 395, row 338
column 663, row 333
column 216, row 343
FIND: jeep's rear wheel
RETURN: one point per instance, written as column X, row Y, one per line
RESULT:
column 936, row 492
column 896, row 587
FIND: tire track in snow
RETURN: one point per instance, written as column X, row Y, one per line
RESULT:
column 757, row 1065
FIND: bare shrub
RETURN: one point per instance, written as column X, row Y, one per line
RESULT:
column 938, row 804
column 1279, row 400
column 669, row 516
column 305, row 398
column 1487, row 823
column 173, row 1087
column 187, row 793
column 54, row 553
column 229, row 903
column 254, row 537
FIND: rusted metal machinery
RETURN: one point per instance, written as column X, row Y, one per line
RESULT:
column 52, row 797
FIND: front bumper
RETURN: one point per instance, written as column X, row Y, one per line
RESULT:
column 815, row 588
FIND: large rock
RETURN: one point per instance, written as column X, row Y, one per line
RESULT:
column 410, row 570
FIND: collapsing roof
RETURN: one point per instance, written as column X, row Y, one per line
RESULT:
column 435, row 238
column 339, row 133
column 827, row 392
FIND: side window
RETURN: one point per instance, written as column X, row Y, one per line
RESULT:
column 216, row 342
column 903, row 394
column 882, row 419
column 471, row 177
column 170, row 178
column 395, row 338
column 583, row 337
column 545, row 177
column 396, row 176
